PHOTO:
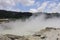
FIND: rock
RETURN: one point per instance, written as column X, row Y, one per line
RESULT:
column 14, row 37
column 48, row 33
column 4, row 38
column 10, row 37
column 44, row 34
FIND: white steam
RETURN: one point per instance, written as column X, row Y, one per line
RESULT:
column 31, row 25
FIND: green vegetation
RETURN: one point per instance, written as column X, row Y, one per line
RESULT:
column 15, row 15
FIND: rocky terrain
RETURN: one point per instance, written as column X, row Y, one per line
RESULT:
column 48, row 33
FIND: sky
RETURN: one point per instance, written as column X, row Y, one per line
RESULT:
column 50, row 6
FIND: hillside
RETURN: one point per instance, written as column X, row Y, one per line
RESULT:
column 13, row 14
column 19, row 15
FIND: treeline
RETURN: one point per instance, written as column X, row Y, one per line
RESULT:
column 17, row 15
column 11, row 14
column 51, row 15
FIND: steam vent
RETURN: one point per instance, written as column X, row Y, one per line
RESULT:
column 48, row 33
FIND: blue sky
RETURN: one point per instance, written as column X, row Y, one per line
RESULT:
column 31, row 5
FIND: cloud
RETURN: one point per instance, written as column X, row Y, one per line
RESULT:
column 7, row 4
column 33, row 10
column 46, row 6
column 27, row 2
column 57, row 8
column 11, row 4
column 50, row 7
column 40, row 8
column 53, row 8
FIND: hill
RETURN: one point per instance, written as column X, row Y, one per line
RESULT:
column 11, row 14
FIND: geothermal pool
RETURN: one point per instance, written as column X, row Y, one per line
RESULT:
column 29, row 26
